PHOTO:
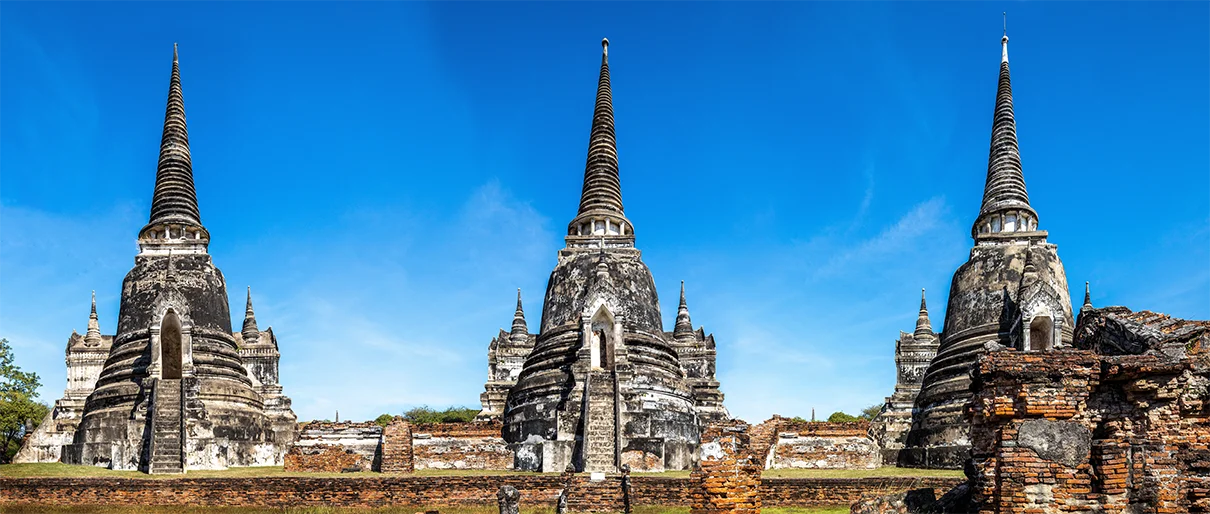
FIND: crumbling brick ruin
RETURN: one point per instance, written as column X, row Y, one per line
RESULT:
column 399, row 447
column 728, row 479
column 1119, row 423
column 782, row 443
column 334, row 447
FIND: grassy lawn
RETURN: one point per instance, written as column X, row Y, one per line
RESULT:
column 68, row 470
column 386, row 510
column 861, row 473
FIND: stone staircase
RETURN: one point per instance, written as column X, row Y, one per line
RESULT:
column 601, row 427
column 166, row 428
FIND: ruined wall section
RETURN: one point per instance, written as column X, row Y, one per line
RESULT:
column 460, row 446
column 823, row 445
column 728, row 477
column 330, row 447
column 1072, row 430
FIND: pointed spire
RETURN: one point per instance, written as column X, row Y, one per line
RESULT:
column 601, row 197
column 924, row 328
column 1087, row 297
column 520, row 329
column 251, row 332
column 1005, row 202
column 93, row 336
column 175, row 200
column 684, row 326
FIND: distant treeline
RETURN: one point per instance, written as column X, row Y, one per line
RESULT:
column 426, row 414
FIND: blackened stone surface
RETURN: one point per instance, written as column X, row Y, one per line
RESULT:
column 1120, row 331
column 655, row 403
column 574, row 285
column 224, row 421
column 1058, row 441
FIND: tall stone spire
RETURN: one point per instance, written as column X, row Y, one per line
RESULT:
column 93, row 336
column 251, row 332
column 1087, row 297
column 684, row 326
column 174, row 200
column 601, row 199
column 1005, row 202
column 924, row 328
column 520, row 329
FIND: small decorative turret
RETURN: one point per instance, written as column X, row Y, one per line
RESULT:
column 924, row 328
column 520, row 329
column 601, row 211
column 1087, row 297
column 93, row 336
column 684, row 326
column 175, row 220
column 251, row 332
column 1005, row 202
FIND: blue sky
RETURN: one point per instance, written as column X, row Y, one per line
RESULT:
column 385, row 175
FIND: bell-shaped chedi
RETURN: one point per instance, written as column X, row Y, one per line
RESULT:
column 1012, row 292
column 174, row 393
column 604, row 384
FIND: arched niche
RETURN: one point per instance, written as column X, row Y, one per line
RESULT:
column 603, row 346
column 1041, row 334
column 171, row 347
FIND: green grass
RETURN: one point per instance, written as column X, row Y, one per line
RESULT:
column 67, row 470
column 57, row 469
column 861, row 473
column 22, row 509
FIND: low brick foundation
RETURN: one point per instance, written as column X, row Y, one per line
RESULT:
column 786, row 443
column 536, row 490
column 323, row 458
column 460, row 446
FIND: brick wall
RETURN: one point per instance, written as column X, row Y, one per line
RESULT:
column 536, row 490
column 785, row 443
column 1069, row 430
column 324, row 458
column 798, row 492
column 728, row 478
column 324, row 446
column 460, row 446
column 824, row 445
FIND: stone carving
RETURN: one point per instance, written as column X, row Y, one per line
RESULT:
column 509, row 499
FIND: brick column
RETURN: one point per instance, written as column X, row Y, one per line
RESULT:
column 728, row 479
column 397, row 447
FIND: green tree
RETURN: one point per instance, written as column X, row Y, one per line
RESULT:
column 838, row 417
column 871, row 412
column 384, row 420
column 426, row 414
column 18, row 410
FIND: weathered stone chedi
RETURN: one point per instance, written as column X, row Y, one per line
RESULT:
column 175, row 391
column 604, row 384
column 1012, row 292
column 913, row 353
